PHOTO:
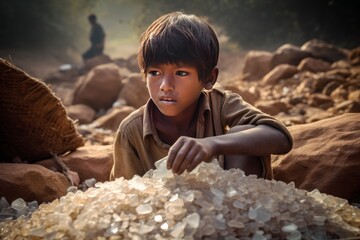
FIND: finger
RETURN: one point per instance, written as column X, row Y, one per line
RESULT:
column 184, row 146
column 195, row 162
column 193, row 152
column 172, row 154
column 180, row 158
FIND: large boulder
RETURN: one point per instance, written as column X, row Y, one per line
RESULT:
column 31, row 182
column 99, row 88
column 325, row 156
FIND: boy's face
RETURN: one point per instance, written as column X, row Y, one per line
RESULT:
column 174, row 89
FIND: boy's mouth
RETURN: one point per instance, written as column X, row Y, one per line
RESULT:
column 167, row 99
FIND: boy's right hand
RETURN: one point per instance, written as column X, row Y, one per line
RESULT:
column 187, row 153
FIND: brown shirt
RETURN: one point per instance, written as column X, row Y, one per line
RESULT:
column 137, row 146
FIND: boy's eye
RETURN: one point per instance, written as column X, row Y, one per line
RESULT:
column 154, row 73
column 182, row 73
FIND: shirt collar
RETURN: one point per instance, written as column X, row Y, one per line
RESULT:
column 148, row 123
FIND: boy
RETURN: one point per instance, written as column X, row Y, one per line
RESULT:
column 185, row 118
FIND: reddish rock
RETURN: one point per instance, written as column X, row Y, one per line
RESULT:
column 256, row 65
column 354, row 95
column 354, row 56
column 348, row 106
column 92, row 161
column 281, row 71
column 99, row 88
column 325, row 156
column 289, row 54
column 314, row 65
column 82, row 113
column 272, row 107
column 249, row 95
column 321, row 100
column 113, row 119
column 134, row 92
column 323, row 50
column 31, row 182
column 96, row 61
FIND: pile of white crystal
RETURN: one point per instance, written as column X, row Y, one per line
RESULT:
column 208, row 203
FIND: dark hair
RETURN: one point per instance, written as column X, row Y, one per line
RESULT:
column 92, row 17
column 179, row 38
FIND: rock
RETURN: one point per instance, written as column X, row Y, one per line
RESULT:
column 323, row 50
column 256, row 65
column 95, row 61
column 250, row 95
column 92, row 161
column 31, row 182
column 289, row 54
column 354, row 56
column 113, row 119
column 325, row 156
column 321, row 100
column 82, row 113
column 132, row 64
column 272, row 107
column 313, row 65
column 340, row 93
column 341, row 64
column 348, row 106
column 354, row 95
column 99, row 88
column 321, row 80
column 134, row 92
column 281, row 71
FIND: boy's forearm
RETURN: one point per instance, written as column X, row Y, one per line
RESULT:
column 252, row 140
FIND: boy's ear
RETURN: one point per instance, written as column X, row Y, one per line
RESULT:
column 210, row 82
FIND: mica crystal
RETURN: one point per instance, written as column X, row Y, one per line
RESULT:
column 207, row 203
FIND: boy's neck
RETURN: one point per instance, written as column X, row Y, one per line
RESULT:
column 170, row 129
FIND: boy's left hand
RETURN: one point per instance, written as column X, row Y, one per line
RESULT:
column 187, row 153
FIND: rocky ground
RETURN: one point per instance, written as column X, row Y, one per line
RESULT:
column 314, row 89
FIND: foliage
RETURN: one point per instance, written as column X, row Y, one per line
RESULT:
column 42, row 23
column 260, row 24
column 268, row 24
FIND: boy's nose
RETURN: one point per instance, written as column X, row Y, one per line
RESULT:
column 167, row 84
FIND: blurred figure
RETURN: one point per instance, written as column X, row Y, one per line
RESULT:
column 97, row 39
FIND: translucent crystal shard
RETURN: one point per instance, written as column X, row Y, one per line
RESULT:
column 144, row 209
column 19, row 204
column 209, row 203
column 193, row 220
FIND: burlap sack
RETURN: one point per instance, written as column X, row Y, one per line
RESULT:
column 33, row 121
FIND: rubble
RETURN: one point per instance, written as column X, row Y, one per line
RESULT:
column 207, row 203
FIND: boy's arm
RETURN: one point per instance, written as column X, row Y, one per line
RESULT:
column 259, row 140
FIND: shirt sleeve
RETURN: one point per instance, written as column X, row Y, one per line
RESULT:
column 126, row 160
column 236, row 111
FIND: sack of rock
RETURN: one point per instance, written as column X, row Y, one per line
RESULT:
column 34, row 123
